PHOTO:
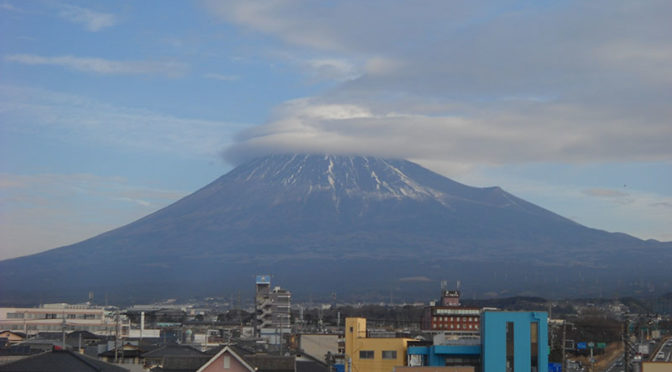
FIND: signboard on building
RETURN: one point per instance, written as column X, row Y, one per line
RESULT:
column 263, row 279
column 456, row 311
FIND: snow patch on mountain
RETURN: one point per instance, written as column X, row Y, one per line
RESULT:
column 342, row 176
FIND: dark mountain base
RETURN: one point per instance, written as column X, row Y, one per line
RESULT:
column 329, row 280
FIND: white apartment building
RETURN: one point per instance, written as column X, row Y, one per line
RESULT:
column 59, row 317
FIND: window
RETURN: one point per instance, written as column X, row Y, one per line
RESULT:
column 534, row 346
column 366, row 354
column 389, row 354
column 510, row 352
column 14, row 315
column 227, row 362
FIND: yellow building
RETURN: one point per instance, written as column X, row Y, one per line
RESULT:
column 364, row 354
column 656, row 366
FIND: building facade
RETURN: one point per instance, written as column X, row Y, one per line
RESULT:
column 273, row 311
column 450, row 316
column 514, row 341
column 262, row 303
column 509, row 341
column 59, row 317
column 366, row 354
column 452, row 319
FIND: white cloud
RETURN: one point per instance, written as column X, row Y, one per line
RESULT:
column 91, row 20
column 605, row 193
column 104, row 66
column 332, row 69
column 383, row 66
column 474, row 82
column 472, row 134
column 74, row 118
column 222, row 77
column 9, row 7
column 650, row 61
column 277, row 17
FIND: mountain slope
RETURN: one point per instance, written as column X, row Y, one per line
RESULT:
column 349, row 223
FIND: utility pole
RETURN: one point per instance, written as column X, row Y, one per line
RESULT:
column 63, row 330
column 116, row 337
column 564, row 342
column 626, row 354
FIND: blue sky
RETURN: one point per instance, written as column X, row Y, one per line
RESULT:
column 112, row 110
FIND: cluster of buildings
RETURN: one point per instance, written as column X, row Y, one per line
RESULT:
column 449, row 337
column 462, row 339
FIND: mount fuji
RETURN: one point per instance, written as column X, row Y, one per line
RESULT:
column 355, row 227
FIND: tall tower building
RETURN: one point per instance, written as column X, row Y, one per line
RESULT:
column 262, row 304
column 273, row 311
column 281, row 309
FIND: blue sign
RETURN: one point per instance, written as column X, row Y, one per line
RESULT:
column 554, row 367
column 581, row 345
column 263, row 279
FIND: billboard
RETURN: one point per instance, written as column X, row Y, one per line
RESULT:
column 263, row 279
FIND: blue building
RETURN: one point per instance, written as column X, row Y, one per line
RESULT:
column 514, row 341
column 510, row 341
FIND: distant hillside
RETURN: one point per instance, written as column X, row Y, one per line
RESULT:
column 357, row 227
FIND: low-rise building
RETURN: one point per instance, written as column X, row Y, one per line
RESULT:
column 319, row 345
column 59, row 317
column 61, row 360
column 367, row 354
column 450, row 316
column 12, row 337
column 509, row 341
